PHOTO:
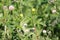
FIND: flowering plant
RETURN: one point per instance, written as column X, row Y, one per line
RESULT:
column 29, row 19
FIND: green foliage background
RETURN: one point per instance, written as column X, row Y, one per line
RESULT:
column 36, row 14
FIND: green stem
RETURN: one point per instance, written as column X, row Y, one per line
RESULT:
column 45, row 38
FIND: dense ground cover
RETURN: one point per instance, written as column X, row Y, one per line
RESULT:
column 29, row 19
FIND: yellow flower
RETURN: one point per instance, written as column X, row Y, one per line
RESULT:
column 21, row 15
column 33, row 9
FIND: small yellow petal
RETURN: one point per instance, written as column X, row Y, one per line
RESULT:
column 33, row 9
column 21, row 15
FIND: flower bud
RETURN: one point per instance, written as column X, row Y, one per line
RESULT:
column 33, row 10
column 11, row 7
column 21, row 15
column 33, row 29
column 49, row 32
column 54, row 11
column 27, row 30
column 25, row 24
column 4, row 7
column 44, row 31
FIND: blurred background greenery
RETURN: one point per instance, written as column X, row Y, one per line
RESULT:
column 29, row 19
